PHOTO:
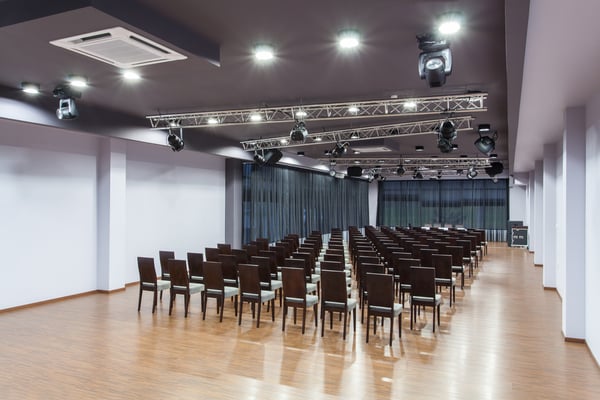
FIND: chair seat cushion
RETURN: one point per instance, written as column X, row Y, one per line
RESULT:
column 438, row 298
column 397, row 309
column 266, row 295
column 276, row 285
column 196, row 277
column 458, row 268
column 311, row 287
column 196, row 288
column 311, row 300
column 315, row 278
column 445, row 281
column 231, row 291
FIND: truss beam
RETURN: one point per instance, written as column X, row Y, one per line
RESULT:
column 356, row 134
column 388, row 166
column 329, row 111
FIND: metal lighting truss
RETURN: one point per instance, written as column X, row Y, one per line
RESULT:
column 427, row 166
column 317, row 112
column 355, row 134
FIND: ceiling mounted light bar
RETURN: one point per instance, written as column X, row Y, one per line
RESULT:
column 369, row 132
column 412, row 164
column 332, row 111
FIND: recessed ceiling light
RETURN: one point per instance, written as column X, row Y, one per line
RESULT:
column 77, row 80
column 300, row 114
column 318, row 139
column 493, row 155
column 419, row 148
column 356, row 161
column 409, row 105
column 348, row 39
column 255, row 117
column 354, row 135
column 264, row 52
column 174, row 124
column 212, row 120
column 300, row 153
column 353, row 109
column 449, row 23
column 31, row 88
column 131, row 75
column 356, row 152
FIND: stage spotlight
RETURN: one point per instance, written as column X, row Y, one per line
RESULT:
column 495, row 168
column 259, row 158
column 175, row 142
column 485, row 144
column 446, row 134
column 444, row 145
column 339, row 150
column 354, row 171
column 273, row 156
column 332, row 172
column 418, row 175
column 400, row 171
column 31, row 88
column 471, row 173
column 435, row 60
column 66, row 109
column 299, row 133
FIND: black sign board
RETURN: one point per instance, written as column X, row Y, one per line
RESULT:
column 519, row 236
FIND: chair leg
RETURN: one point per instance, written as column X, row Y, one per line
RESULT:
column 240, row 313
column 316, row 311
column 186, row 303
column 257, row 314
column 140, row 298
column 273, row 310
column 368, row 322
column 154, row 301
column 345, row 323
column 171, row 298
column 284, row 314
column 400, row 325
column 412, row 306
column 434, row 307
column 331, row 319
column 391, row 328
column 322, row 322
column 303, row 319
column 235, row 303
column 222, row 301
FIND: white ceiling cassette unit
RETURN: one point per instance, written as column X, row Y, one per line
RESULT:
column 119, row 47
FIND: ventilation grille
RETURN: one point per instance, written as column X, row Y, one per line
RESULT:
column 119, row 47
column 371, row 149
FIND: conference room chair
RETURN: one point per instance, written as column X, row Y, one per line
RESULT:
column 426, row 256
column 251, row 292
column 229, row 267
column 149, row 282
column 402, row 268
column 301, row 263
column 336, row 266
column 215, row 288
column 381, row 303
column 251, row 249
column 266, row 280
column 295, row 295
column 443, row 274
column 334, row 298
column 195, row 263
column 458, row 265
column 423, row 293
column 241, row 256
column 211, row 253
column 224, row 248
column 180, row 284
column 366, row 269
column 163, row 257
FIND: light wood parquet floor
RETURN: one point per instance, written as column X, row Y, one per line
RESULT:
column 501, row 341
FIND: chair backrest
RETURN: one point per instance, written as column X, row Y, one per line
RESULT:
column 224, row 248
column 294, row 285
column 381, row 290
column 249, row 279
column 251, row 249
column 229, row 266
column 179, row 274
column 211, row 253
column 443, row 265
column 163, row 257
column 272, row 257
column 310, row 260
column 213, row 275
column 280, row 252
column 298, row 263
column 195, row 263
column 466, row 245
column 264, row 269
column 147, row 270
column 331, row 266
column 333, row 257
column 333, row 287
column 422, row 282
column 368, row 268
column 241, row 256
column 457, row 254
column 426, row 256
column 262, row 243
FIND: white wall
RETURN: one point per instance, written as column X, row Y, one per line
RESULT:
column 175, row 201
column 373, row 194
column 592, row 227
column 47, row 213
column 518, row 203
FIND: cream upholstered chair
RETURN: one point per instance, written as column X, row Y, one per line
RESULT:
column 180, row 284
column 250, row 291
column 148, row 280
column 381, row 302
column 294, row 295
column 215, row 288
column 334, row 298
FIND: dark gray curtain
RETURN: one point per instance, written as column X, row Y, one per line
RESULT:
column 278, row 201
column 478, row 203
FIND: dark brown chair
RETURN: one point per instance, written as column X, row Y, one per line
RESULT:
column 273, row 262
column 266, row 280
column 381, row 302
column 164, row 256
column 426, row 256
column 241, row 256
column 334, row 298
column 423, row 293
column 294, row 295
column 224, row 248
column 251, row 249
column 148, row 280
column 229, row 266
column 443, row 274
column 215, row 288
column 301, row 263
column 180, row 284
column 250, row 291
column 363, row 288
column 195, row 262
column 458, row 264
column 211, row 253
column 403, row 266
column 262, row 244
column 336, row 266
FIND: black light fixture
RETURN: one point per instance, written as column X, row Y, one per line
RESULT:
column 400, row 170
column 354, row 171
column 339, row 150
column 446, row 134
column 270, row 157
column 299, row 133
column 175, row 142
column 495, row 168
column 66, row 102
column 471, row 173
column 435, row 60
column 419, row 148
column 418, row 175
column 259, row 158
column 485, row 144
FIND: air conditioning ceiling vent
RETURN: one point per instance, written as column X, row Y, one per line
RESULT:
column 119, row 47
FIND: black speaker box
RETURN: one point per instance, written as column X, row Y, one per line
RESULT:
column 355, row 171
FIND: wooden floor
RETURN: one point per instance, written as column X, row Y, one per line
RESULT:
column 501, row 341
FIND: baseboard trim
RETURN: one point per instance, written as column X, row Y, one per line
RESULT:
column 50, row 301
column 576, row 340
column 103, row 291
column 538, row 265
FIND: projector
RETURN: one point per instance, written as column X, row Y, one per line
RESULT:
column 66, row 109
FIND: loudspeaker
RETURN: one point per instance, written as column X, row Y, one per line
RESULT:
column 354, row 171
column 272, row 156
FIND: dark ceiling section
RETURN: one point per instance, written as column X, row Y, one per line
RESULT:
column 308, row 68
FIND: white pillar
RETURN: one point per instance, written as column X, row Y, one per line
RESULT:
column 573, row 305
column 549, row 216
column 538, row 208
column 530, row 209
column 112, row 214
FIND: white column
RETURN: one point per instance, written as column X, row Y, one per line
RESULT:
column 538, row 211
column 573, row 305
column 530, row 209
column 233, row 203
column 112, row 214
column 373, row 197
column 549, row 216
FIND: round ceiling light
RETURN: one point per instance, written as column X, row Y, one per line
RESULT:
column 348, row 39
column 264, row 52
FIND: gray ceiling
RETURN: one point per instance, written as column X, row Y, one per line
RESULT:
column 308, row 68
